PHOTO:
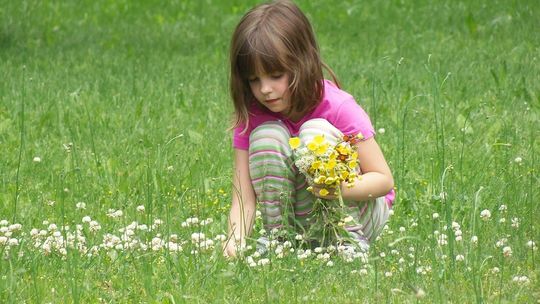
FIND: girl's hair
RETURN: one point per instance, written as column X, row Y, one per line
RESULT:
column 276, row 37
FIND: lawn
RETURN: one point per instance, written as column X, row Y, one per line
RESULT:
column 116, row 158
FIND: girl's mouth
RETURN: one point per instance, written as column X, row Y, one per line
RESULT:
column 272, row 100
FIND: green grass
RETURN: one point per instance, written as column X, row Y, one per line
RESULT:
column 126, row 104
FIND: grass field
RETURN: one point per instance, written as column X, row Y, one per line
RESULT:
column 113, row 139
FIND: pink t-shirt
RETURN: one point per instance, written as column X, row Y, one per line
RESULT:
column 337, row 107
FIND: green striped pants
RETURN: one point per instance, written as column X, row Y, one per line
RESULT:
column 281, row 189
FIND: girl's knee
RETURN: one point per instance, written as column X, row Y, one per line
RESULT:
column 319, row 126
column 272, row 134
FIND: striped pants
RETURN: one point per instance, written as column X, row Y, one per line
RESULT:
column 281, row 189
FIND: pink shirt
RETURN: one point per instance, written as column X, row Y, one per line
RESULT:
column 337, row 107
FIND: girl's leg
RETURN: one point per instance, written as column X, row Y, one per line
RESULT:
column 272, row 172
column 369, row 216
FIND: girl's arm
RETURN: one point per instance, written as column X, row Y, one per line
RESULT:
column 376, row 179
column 243, row 208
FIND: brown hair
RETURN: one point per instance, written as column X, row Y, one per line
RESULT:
column 276, row 37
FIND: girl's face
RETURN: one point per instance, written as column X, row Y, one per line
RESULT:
column 271, row 90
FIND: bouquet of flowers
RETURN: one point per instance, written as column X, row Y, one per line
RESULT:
column 326, row 167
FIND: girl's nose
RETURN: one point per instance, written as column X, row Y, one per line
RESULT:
column 266, row 88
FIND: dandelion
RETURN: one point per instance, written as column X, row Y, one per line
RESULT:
column 485, row 214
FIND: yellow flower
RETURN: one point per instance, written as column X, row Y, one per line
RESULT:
column 320, row 179
column 354, row 155
column 343, row 149
column 330, row 164
column 330, row 181
column 353, row 164
column 323, row 192
column 344, row 175
column 294, row 142
column 321, row 149
column 360, row 136
column 312, row 146
column 316, row 165
column 309, row 188
column 319, row 139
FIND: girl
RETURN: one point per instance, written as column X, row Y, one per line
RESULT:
column 278, row 91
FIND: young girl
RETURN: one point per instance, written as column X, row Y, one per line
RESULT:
column 279, row 92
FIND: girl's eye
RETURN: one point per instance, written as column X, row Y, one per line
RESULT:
column 277, row 75
column 253, row 79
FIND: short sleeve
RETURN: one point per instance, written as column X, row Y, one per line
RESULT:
column 240, row 140
column 351, row 119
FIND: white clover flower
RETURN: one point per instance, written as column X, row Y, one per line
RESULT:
column 140, row 208
column 263, row 262
column 459, row 238
column 501, row 242
column 207, row 221
column 15, row 227
column 258, row 214
column 220, row 238
column 4, row 223
column 158, row 222
column 460, row 258
column 442, row 239
column 330, row 264
column 80, row 206
column 3, row 240
column 363, row 271
column 531, row 244
column 299, row 237
column 381, row 131
column 36, row 159
column 485, row 214
column 420, row 293
column 318, row 250
column 388, row 274
column 518, row 160
column 401, row 229
column 198, row 237
column 52, row 227
column 390, row 212
column 503, row 208
column 474, row 239
column 507, row 251
column 94, row 226
column 435, row 215
column 515, row 222
column 142, row 227
column 495, row 270
column 86, row 219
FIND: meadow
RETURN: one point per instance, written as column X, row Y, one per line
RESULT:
column 116, row 161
